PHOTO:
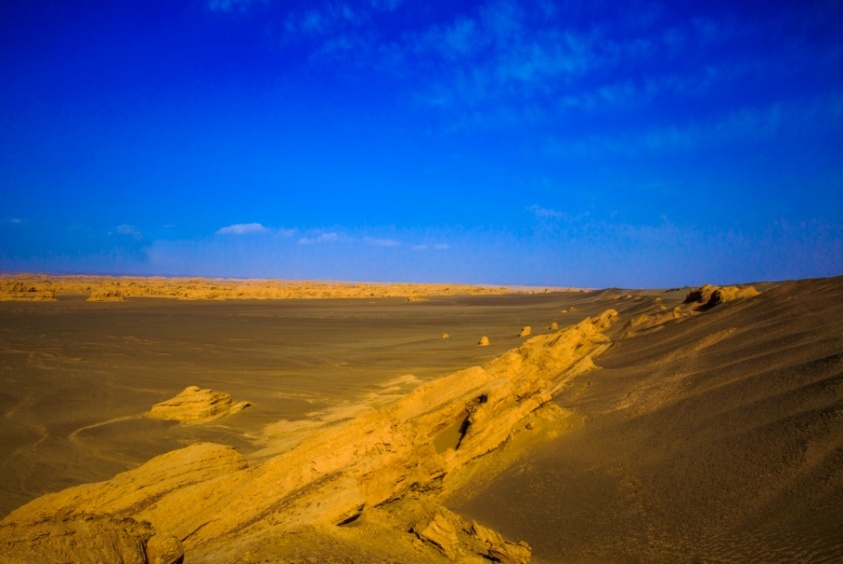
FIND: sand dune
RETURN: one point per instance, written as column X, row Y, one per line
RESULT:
column 700, row 425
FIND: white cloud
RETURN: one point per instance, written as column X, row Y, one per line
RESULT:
column 130, row 230
column 321, row 238
column 286, row 232
column 242, row 229
column 442, row 246
column 382, row 242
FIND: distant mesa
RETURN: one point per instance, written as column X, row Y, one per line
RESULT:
column 106, row 295
column 38, row 290
column 196, row 405
column 38, row 287
column 525, row 331
column 484, row 341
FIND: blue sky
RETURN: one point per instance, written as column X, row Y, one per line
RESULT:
column 635, row 144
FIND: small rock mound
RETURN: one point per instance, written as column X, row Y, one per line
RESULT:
column 446, row 336
column 484, row 341
column 454, row 537
column 525, row 332
column 709, row 296
column 195, row 405
column 553, row 326
column 698, row 300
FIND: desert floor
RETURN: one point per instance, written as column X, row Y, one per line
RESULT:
column 76, row 376
column 716, row 436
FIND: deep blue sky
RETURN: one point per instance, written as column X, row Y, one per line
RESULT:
column 508, row 142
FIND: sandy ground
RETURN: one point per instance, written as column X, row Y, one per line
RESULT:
column 705, row 438
column 76, row 376
column 717, row 438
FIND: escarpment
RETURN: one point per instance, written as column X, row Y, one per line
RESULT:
column 345, row 487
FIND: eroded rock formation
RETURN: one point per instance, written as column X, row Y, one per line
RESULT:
column 697, row 301
column 354, row 483
column 196, row 405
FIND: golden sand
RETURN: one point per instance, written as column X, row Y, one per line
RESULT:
column 645, row 426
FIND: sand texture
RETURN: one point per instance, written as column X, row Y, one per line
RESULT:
column 687, row 425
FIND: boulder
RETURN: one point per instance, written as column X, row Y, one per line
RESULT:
column 196, row 405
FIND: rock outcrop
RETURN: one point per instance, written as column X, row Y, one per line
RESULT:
column 105, row 294
column 88, row 538
column 698, row 300
column 31, row 287
column 455, row 538
column 196, row 405
column 415, row 451
column 36, row 290
column 709, row 296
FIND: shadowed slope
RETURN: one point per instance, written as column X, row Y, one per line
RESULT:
column 718, row 437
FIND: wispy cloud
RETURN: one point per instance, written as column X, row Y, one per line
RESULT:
column 321, row 238
column 282, row 232
column 381, row 242
column 242, row 229
column 740, row 128
column 130, row 230
column 239, row 6
column 435, row 247
column 541, row 212
column 323, row 20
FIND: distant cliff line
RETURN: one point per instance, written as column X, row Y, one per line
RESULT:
column 41, row 287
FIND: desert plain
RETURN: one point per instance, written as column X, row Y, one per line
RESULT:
column 167, row 420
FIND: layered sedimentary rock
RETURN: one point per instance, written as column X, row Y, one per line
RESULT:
column 196, row 405
column 349, row 486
